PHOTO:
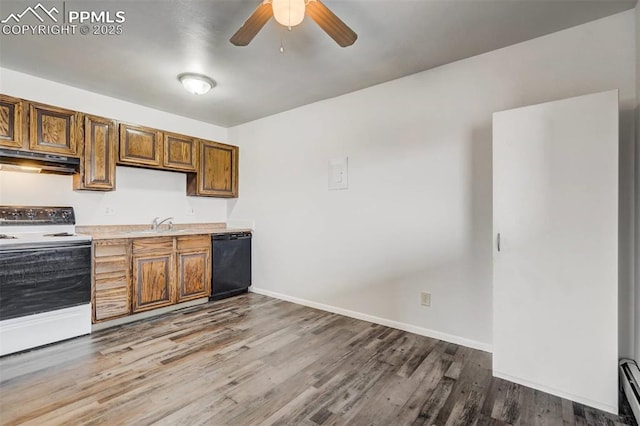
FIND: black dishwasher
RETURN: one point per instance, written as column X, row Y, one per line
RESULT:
column 231, row 264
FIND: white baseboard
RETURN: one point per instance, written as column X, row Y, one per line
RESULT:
column 613, row 409
column 378, row 320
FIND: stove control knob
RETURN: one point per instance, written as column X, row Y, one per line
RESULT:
column 65, row 214
column 31, row 214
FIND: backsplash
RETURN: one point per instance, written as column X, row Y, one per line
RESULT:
column 141, row 195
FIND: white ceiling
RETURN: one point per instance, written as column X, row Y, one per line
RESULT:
column 162, row 39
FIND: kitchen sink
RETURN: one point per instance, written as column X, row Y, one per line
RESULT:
column 158, row 231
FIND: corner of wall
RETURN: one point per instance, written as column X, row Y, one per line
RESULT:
column 637, row 189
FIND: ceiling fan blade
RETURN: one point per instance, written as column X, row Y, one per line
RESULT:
column 252, row 25
column 330, row 23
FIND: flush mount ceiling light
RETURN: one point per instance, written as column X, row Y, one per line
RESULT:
column 197, row 84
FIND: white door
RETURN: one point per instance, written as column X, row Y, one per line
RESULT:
column 555, row 209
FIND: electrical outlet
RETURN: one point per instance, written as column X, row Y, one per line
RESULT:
column 191, row 211
column 109, row 211
column 425, row 298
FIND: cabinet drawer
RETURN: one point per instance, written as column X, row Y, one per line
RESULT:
column 116, row 265
column 112, row 300
column 110, row 248
column 111, row 282
column 155, row 245
column 194, row 242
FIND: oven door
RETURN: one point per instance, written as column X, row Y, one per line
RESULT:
column 44, row 278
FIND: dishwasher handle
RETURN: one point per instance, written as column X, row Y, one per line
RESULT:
column 240, row 236
column 231, row 236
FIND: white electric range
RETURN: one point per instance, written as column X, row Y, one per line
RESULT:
column 45, row 277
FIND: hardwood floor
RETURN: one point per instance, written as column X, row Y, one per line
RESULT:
column 256, row 360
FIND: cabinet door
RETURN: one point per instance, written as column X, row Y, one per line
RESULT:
column 10, row 122
column 52, row 129
column 179, row 152
column 98, row 149
column 140, row 146
column 217, row 174
column 194, row 267
column 153, row 273
column 111, row 286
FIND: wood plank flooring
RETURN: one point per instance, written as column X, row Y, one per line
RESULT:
column 256, row 360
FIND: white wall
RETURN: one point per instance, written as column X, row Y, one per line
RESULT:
column 140, row 194
column 417, row 214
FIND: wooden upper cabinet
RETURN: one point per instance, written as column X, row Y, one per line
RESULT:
column 179, row 152
column 101, row 144
column 10, row 122
column 52, row 129
column 98, row 148
column 140, row 146
column 217, row 174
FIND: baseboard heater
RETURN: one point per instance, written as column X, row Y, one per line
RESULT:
column 630, row 379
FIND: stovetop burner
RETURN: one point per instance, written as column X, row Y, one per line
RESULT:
column 38, row 226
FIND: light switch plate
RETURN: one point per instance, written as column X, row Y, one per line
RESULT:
column 425, row 298
column 339, row 173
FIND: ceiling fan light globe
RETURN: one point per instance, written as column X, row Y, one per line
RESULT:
column 196, row 84
column 288, row 12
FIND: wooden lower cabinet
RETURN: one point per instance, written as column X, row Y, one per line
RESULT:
column 193, row 267
column 111, row 293
column 153, row 261
column 140, row 274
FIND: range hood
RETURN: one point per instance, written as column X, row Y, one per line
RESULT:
column 38, row 163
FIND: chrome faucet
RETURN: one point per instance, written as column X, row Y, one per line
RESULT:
column 157, row 222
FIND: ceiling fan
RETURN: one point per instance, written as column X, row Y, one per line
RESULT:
column 291, row 13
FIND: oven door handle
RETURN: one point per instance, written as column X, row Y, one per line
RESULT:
column 46, row 247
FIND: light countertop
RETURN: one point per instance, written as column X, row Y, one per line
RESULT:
column 104, row 232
